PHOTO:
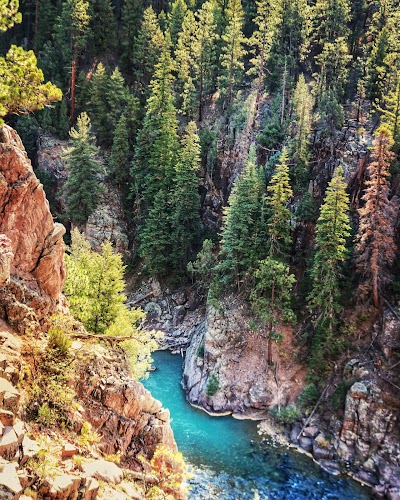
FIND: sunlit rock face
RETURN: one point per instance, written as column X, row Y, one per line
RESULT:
column 37, row 269
column 234, row 354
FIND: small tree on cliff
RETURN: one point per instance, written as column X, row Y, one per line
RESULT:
column 94, row 288
column 375, row 244
column 271, row 298
column 333, row 228
column 81, row 189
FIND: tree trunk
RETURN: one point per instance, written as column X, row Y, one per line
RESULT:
column 374, row 272
column 271, row 325
column 74, row 70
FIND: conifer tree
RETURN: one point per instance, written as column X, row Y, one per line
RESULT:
column 73, row 28
column 279, row 222
column 22, row 90
column 81, row 188
column 300, row 147
column 260, row 42
column 102, row 28
column 271, row 298
column 375, row 243
column 175, row 19
column 330, row 35
column 120, row 155
column 290, row 22
column 333, row 229
column 147, row 48
column 109, row 98
column 132, row 12
column 156, row 236
column 233, row 51
column 157, row 144
column 241, row 242
column 391, row 112
column 185, row 218
column 331, row 116
column 195, row 57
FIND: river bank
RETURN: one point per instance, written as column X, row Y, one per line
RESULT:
column 228, row 459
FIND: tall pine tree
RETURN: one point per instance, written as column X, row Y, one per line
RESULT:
column 333, row 229
column 185, row 218
column 375, row 243
column 279, row 222
column 241, row 244
column 81, row 188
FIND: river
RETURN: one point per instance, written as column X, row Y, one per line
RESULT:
column 226, row 459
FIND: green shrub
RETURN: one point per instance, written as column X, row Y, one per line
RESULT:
column 200, row 351
column 286, row 415
column 308, row 397
column 212, row 385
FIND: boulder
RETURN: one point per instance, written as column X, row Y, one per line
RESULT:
column 7, row 418
column 90, row 488
column 68, row 451
column 103, row 470
column 29, row 450
column 10, row 485
column 64, row 487
column 9, row 443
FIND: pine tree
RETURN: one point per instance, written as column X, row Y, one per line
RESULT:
column 260, row 42
column 109, row 98
column 333, row 229
column 132, row 12
column 22, row 90
column 291, row 37
column 271, row 298
column 120, row 155
column 375, row 243
column 279, row 222
column 156, row 236
column 153, row 169
column 147, row 48
column 331, row 116
column 391, row 112
column 102, row 28
column 175, row 19
column 94, row 287
column 81, row 188
column 241, row 242
column 157, row 144
column 195, row 57
column 330, row 35
column 185, row 218
column 231, row 59
column 330, row 20
column 301, row 126
column 73, row 28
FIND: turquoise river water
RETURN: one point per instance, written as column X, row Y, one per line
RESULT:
column 226, row 458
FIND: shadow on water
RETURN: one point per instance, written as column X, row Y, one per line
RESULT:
column 227, row 460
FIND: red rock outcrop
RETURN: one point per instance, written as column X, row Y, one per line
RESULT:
column 37, row 270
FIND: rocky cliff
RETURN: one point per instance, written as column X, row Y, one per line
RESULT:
column 31, row 246
column 111, row 414
column 231, row 352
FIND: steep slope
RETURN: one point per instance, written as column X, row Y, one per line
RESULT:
column 126, row 421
